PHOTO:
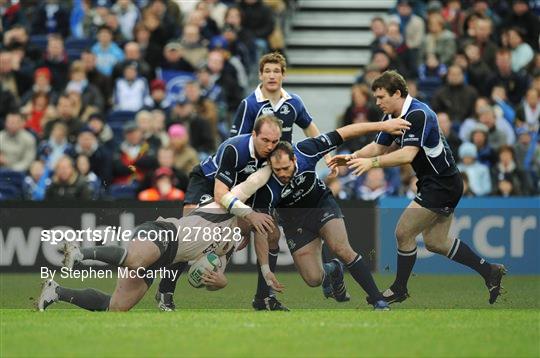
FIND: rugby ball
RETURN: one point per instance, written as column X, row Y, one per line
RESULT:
column 209, row 261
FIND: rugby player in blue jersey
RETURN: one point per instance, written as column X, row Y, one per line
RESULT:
column 439, row 185
column 308, row 212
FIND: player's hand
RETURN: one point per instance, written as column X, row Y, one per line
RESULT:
column 359, row 165
column 272, row 281
column 262, row 223
column 339, row 160
column 214, row 279
column 334, row 171
column 396, row 126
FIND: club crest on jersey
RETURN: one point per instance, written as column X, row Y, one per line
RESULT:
column 284, row 109
column 299, row 180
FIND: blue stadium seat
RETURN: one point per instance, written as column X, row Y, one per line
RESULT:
column 118, row 132
column 123, row 191
column 78, row 44
column 11, row 177
column 120, row 116
column 10, row 192
column 40, row 41
column 73, row 54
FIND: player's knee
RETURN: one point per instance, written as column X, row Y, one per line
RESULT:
column 134, row 262
column 313, row 280
column 273, row 238
column 433, row 246
column 345, row 254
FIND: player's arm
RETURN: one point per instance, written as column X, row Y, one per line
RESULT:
column 261, row 249
column 392, row 126
column 412, row 141
column 233, row 199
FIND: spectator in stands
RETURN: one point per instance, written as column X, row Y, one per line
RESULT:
column 8, row 102
column 371, row 72
column 244, row 38
column 23, row 67
column 132, row 52
column 259, row 20
column 431, row 75
column 374, row 185
column 18, row 146
column 445, row 123
column 36, row 182
column 98, row 156
column 478, row 174
column 485, row 153
column 96, row 78
column 527, row 154
column 195, row 48
column 201, row 16
column 90, row 94
column 506, row 169
column 51, row 17
column 42, row 84
column 163, row 188
column 37, row 113
column 11, row 16
column 128, row 14
column 477, row 70
column 93, row 182
column 454, row 16
column 166, row 13
column 8, row 77
column 514, row 83
column 455, row 98
column 481, row 37
column 102, row 131
column 526, row 19
column 66, row 183
column 521, row 52
column 378, row 31
column 144, row 123
column 201, row 134
column 65, row 111
column 131, row 90
column 134, row 157
column 173, row 58
column 395, row 48
column 185, row 157
column 360, row 110
column 55, row 145
column 210, row 89
column 413, row 30
column 504, row 110
column 224, row 74
column 204, row 107
column 107, row 52
column 56, row 61
column 528, row 112
column 150, row 52
column 439, row 40
column 496, row 136
column 165, row 158
column 158, row 96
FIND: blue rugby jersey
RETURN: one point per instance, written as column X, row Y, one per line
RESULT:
column 290, row 109
column 435, row 157
column 233, row 161
column 305, row 188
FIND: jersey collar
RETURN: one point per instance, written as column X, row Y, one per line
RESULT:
column 406, row 105
column 260, row 97
column 251, row 148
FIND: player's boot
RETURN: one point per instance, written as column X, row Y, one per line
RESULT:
column 381, row 305
column 395, row 294
column 493, row 283
column 340, row 293
column 165, row 301
column 72, row 255
column 48, row 295
column 269, row 303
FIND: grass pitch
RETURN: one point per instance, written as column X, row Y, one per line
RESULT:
column 446, row 316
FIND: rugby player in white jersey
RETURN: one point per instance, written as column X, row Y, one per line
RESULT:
column 168, row 249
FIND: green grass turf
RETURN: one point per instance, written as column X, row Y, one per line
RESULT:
column 446, row 316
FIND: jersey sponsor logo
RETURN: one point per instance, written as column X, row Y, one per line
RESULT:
column 286, row 192
column 411, row 140
column 298, row 194
column 250, row 168
column 284, row 109
column 267, row 110
column 206, row 198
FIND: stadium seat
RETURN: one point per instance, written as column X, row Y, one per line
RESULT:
column 10, row 192
column 120, row 116
column 11, row 177
column 39, row 41
column 78, row 44
column 73, row 54
column 123, row 191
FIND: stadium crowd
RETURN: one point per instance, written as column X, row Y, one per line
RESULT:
column 477, row 64
column 121, row 99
